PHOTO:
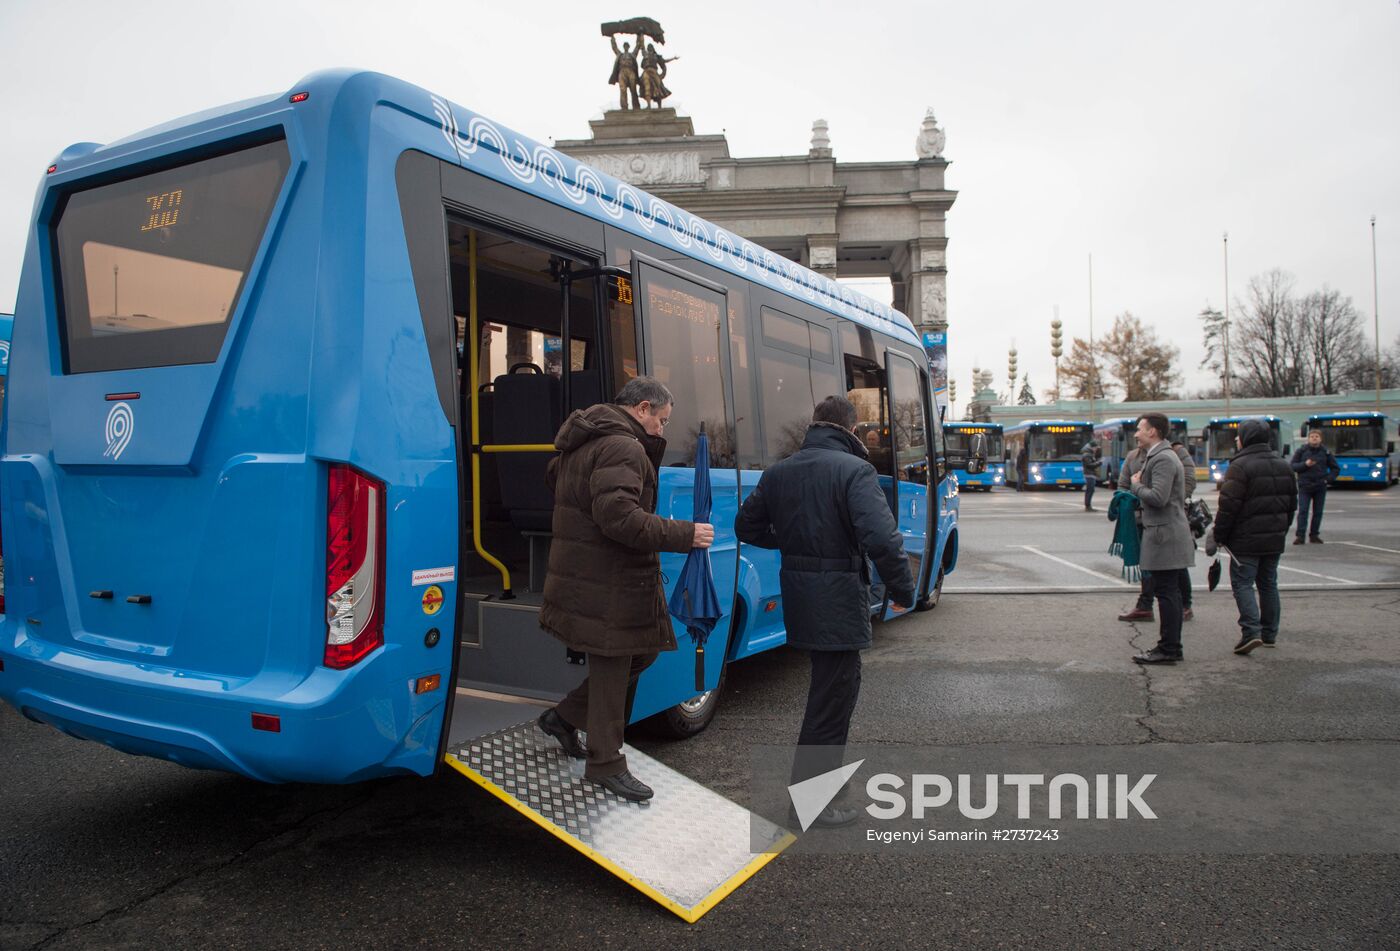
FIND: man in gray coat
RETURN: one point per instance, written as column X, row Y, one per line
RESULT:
column 1167, row 547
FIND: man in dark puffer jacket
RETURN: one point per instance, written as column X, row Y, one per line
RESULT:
column 823, row 508
column 1257, row 500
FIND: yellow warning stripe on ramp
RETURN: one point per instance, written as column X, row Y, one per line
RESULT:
column 688, row 848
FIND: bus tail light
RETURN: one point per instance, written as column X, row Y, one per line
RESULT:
column 354, row 566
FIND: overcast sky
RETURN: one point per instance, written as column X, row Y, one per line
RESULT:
column 1135, row 132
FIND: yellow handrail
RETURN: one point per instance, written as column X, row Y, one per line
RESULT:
column 474, row 348
column 520, row 447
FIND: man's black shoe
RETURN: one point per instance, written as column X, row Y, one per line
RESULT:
column 627, row 786
column 1298, row 540
column 1315, row 539
column 556, row 726
column 1247, row 643
column 1156, row 656
column 1136, row 614
column 1269, row 643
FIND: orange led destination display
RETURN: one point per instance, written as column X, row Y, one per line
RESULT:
column 1062, row 429
column 1343, row 422
column 164, row 209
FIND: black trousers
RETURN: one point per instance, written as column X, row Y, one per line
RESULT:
column 831, row 699
column 599, row 707
column 1166, row 588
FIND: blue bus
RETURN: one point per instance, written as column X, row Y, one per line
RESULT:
column 1118, row 437
column 958, row 436
column 290, row 373
column 1364, row 444
column 1218, row 437
column 7, row 323
column 1054, row 451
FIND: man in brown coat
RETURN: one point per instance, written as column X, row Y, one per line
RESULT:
column 603, row 595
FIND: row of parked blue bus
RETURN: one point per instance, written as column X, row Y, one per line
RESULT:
column 1364, row 444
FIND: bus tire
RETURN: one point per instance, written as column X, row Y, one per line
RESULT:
column 690, row 718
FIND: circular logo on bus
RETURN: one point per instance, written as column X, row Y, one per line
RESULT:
column 432, row 600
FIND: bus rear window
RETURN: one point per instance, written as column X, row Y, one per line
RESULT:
column 152, row 267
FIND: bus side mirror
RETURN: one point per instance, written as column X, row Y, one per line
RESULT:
column 1390, row 448
column 1303, row 431
column 1288, row 449
column 977, row 455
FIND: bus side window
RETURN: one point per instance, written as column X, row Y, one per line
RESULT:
column 741, row 365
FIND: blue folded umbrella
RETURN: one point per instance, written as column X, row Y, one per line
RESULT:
column 695, row 602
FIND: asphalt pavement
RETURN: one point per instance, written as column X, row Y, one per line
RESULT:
column 1043, row 541
column 103, row 850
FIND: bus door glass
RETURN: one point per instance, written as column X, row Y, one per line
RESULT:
column 867, row 387
column 684, row 321
column 910, row 424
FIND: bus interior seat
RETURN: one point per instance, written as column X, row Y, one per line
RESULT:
column 492, row 507
column 526, row 410
column 585, row 388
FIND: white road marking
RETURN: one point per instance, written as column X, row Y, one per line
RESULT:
column 1069, row 564
column 1371, row 547
column 1313, row 574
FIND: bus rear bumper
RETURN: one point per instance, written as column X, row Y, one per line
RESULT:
column 336, row 735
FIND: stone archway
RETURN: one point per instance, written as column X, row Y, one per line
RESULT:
column 841, row 219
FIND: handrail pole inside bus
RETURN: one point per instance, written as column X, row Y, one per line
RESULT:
column 566, row 358
column 474, row 341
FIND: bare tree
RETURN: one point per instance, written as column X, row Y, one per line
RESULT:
column 1263, row 340
column 1337, row 342
column 1142, row 365
column 1078, row 370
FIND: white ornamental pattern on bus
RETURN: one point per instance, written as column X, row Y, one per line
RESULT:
column 532, row 164
column 120, row 424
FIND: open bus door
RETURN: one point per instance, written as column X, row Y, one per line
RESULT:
column 688, row 847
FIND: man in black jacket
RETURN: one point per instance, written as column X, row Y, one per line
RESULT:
column 1316, row 466
column 823, row 508
column 1257, row 499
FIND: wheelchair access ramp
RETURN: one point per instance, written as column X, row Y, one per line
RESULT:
column 687, row 848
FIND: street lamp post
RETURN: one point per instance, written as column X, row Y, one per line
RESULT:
column 1093, row 362
column 1226, row 341
column 1376, row 312
column 1056, row 349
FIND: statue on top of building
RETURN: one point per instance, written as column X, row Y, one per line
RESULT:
column 929, row 144
column 653, row 72
column 644, row 85
column 624, row 73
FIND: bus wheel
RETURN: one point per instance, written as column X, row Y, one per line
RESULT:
column 685, row 720
column 936, row 592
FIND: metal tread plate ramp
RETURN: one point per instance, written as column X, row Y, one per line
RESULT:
column 687, row 848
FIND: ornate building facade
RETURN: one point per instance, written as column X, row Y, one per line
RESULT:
column 841, row 219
